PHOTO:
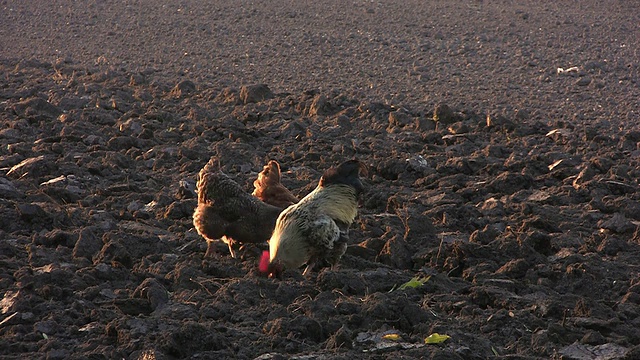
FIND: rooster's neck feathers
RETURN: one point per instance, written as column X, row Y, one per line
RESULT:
column 345, row 174
column 339, row 201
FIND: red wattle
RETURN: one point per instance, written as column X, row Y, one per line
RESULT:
column 264, row 262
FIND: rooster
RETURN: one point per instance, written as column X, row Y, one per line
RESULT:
column 315, row 230
column 269, row 189
column 225, row 211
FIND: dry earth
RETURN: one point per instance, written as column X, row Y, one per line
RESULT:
column 502, row 137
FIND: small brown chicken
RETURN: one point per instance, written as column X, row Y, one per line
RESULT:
column 315, row 230
column 225, row 211
column 269, row 189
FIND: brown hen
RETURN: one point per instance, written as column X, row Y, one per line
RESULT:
column 226, row 212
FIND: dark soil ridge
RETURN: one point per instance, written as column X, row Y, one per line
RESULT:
column 529, row 229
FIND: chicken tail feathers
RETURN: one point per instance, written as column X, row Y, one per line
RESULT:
column 208, row 223
column 268, row 188
column 270, row 173
column 213, row 184
column 206, row 178
column 269, row 176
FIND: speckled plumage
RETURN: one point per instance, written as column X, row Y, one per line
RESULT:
column 225, row 211
column 315, row 230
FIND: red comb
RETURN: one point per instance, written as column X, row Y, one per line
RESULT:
column 264, row 262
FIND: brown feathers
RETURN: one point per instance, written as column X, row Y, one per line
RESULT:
column 225, row 211
column 269, row 189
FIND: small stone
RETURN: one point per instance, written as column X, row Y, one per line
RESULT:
column 183, row 88
column 420, row 165
column 583, row 81
column 396, row 253
column 48, row 327
column 514, row 269
column 618, row 224
column 131, row 125
column 492, row 207
column 484, row 236
column 32, row 167
column 539, row 241
column 8, row 190
column 423, row 124
column 585, row 175
column 593, row 338
column 458, row 128
column 30, row 211
column 522, row 114
column 319, row 106
column 88, row 244
column 255, row 93
column 399, row 118
column 57, row 354
column 137, row 79
column 341, row 339
column 444, row 114
column 37, row 106
column 604, row 351
column 611, row 246
column 153, row 291
column 186, row 189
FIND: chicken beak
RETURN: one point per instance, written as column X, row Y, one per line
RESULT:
column 275, row 271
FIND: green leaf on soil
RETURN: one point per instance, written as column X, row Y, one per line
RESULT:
column 436, row 338
column 415, row 282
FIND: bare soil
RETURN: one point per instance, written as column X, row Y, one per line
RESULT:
column 502, row 139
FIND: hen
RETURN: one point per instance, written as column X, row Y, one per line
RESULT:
column 269, row 189
column 225, row 211
column 315, row 230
